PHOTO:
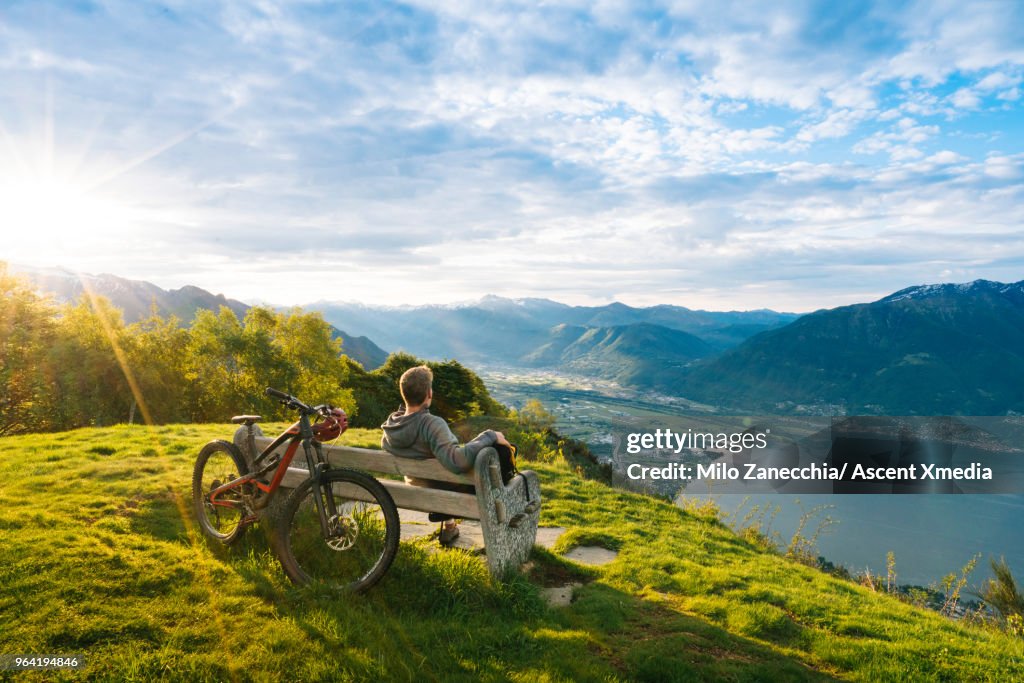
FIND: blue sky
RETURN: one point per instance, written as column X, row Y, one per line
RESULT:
column 711, row 155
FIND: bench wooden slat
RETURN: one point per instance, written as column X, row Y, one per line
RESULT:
column 462, row 505
column 378, row 461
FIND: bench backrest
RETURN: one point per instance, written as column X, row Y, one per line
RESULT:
column 379, row 462
column 382, row 464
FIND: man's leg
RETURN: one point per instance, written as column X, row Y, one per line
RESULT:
column 449, row 524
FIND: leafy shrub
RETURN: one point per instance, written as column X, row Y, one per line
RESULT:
column 1002, row 594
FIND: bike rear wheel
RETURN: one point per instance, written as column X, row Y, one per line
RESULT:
column 363, row 532
column 218, row 463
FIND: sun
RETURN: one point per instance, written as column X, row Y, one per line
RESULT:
column 47, row 217
column 51, row 206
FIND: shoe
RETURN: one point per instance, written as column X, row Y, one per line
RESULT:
column 447, row 535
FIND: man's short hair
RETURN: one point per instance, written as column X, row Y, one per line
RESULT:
column 415, row 385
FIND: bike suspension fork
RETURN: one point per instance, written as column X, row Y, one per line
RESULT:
column 325, row 506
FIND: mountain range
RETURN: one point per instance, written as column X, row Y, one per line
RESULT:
column 136, row 299
column 927, row 349
column 497, row 330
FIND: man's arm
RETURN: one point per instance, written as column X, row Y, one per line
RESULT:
column 444, row 445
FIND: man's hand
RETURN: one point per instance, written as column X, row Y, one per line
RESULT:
column 502, row 441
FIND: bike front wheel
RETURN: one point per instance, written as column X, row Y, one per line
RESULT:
column 362, row 533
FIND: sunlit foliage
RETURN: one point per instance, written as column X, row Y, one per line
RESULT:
column 75, row 365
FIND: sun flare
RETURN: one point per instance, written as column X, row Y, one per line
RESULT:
column 52, row 207
column 55, row 217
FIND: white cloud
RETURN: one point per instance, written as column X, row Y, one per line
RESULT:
column 945, row 157
column 971, row 97
column 1004, row 167
column 945, row 37
column 997, row 80
column 965, row 98
column 1011, row 95
column 900, row 142
column 839, row 123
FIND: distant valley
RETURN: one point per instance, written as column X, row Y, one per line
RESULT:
column 630, row 345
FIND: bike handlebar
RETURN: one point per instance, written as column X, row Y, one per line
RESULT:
column 289, row 400
column 295, row 403
column 279, row 394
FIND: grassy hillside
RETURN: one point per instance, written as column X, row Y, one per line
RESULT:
column 100, row 556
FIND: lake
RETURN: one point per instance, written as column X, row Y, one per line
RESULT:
column 930, row 534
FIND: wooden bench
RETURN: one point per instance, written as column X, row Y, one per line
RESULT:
column 508, row 516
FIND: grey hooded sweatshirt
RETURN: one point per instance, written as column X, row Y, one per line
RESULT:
column 421, row 435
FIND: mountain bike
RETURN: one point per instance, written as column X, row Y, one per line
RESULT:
column 339, row 527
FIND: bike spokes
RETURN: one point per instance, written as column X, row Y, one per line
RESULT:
column 221, row 512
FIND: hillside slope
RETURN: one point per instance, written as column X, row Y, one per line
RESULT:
column 635, row 355
column 101, row 558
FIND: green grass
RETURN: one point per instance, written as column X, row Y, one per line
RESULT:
column 100, row 557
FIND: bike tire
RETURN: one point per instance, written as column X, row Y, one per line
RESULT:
column 365, row 525
column 219, row 462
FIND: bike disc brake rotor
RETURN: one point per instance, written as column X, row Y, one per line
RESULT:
column 344, row 531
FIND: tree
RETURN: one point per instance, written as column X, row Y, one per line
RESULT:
column 396, row 365
column 26, row 332
column 460, row 393
column 78, row 364
column 314, row 357
column 157, row 350
column 87, row 366
column 230, row 363
column 533, row 415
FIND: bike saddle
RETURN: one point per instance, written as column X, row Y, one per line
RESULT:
column 246, row 419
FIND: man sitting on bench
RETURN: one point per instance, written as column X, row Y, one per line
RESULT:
column 414, row 433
